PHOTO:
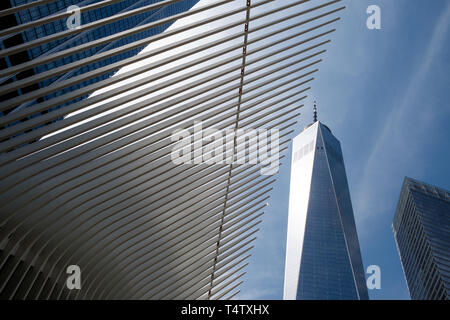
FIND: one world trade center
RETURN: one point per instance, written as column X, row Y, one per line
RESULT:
column 323, row 258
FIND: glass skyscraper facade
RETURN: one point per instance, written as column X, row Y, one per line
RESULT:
column 422, row 233
column 323, row 259
column 46, row 9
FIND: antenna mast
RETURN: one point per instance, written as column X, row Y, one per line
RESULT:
column 315, row 112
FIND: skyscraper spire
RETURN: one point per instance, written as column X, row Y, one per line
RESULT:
column 315, row 112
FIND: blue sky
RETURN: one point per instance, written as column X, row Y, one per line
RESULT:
column 385, row 95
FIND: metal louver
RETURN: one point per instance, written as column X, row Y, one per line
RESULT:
column 86, row 176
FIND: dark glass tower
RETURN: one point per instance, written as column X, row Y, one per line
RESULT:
column 422, row 234
column 35, row 13
column 323, row 259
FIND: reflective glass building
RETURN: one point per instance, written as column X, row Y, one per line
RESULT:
column 422, row 234
column 323, row 259
column 105, row 30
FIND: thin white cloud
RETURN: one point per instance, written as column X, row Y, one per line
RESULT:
column 256, row 294
column 391, row 136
